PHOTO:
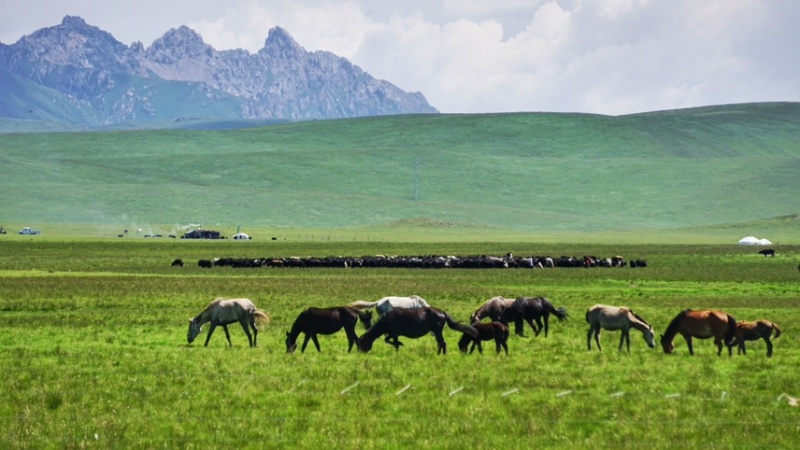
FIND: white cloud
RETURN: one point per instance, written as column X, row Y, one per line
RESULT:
column 610, row 56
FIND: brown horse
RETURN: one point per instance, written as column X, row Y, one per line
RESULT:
column 413, row 323
column 532, row 309
column 223, row 312
column 753, row 331
column 486, row 332
column 702, row 325
column 493, row 309
column 314, row 321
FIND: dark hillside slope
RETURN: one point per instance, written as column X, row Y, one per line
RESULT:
column 526, row 171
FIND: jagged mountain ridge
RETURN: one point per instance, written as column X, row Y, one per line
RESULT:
column 180, row 76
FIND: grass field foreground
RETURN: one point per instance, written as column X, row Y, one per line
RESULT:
column 95, row 355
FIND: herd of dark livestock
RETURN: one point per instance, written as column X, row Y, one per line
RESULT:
column 508, row 261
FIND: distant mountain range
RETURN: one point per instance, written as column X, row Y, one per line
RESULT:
column 77, row 75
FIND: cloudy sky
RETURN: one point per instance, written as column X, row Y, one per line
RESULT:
column 468, row 56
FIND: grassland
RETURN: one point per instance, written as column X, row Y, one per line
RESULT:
column 94, row 354
column 524, row 172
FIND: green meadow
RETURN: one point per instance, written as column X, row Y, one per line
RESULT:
column 94, row 351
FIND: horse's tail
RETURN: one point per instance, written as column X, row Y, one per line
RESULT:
column 561, row 313
column 361, row 304
column 460, row 327
column 730, row 335
column 261, row 316
column 777, row 329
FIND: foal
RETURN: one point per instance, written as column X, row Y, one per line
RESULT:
column 753, row 331
column 486, row 332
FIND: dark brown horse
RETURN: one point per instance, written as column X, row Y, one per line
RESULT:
column 702, row 325
column 753, row 331
column 486, row 332
column 413, row 323
column 314, row 321
column 532, row 309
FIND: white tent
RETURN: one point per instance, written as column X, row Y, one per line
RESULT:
column 764, row 242
column 243, row 236
column 748, row 240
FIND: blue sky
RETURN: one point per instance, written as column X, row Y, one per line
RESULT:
column 469, row 56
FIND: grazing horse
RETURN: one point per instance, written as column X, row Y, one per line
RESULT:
column 530, row 309
column 223, row 312
column 493, row 308
column 386, row 304
column 753, row 331
column 617, row 318
column 767, row 252
column 702, row 325
column 486, row 332
column 412, row 323
column 314, row 321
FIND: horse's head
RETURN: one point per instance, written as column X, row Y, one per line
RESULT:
column 194, row 330
column 364, row 345
column 473, row 319
column 666, row 344
column 291, row 344
column 650, row 337
column 463, row 343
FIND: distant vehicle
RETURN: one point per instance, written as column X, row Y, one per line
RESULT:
column 29, row 231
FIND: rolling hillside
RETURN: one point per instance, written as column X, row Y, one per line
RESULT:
column 538, row 172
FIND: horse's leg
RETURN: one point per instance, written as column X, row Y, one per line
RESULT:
column 519, row 327
column 472, row 348
column 689, row 344
column 536, row 331
column 546, row 324
column 498, row 344
column 589, row 338
column 505, row 347
column 769, row 347
column 210, row 332
column 316, row 342
column 227, row 335
column 244, row 324
column 443, row 345
column 305, row 343
column 352, row 337
column 597, row 331
column 741, row 349
column 478, row 344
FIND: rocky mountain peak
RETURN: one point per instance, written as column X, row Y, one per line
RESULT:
column 280, row 43
column 176, row 44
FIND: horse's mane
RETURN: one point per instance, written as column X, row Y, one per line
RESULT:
column 672, row 328
column 211, row 305
column 639, row 318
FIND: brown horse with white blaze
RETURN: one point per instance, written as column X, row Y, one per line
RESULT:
column 753, row 331
column 702, row 325
column 223, row 312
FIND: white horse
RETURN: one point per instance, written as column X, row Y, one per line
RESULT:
column 386, row 304
column 617, row 318
column 223, row 312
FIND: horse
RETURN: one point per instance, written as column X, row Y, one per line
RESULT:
column 753, row 331
column 493, row 308
column 386, row 304
column 530, row 309
column 412, row 323
column 702, row 325
column 314, row 321
column 486, row 332
column 617, row 318
column 223, row 312
column 767, row 252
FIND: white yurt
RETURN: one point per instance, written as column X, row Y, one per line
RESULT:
column 748, row 240
column 764, row 242
column 239, row 236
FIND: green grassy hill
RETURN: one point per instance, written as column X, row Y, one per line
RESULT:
column 530, row 172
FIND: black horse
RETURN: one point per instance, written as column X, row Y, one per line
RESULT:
column 486, row 332
column 530, row 309
column 314, row 321
column 413, row 323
